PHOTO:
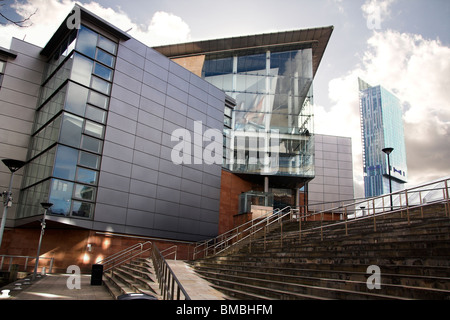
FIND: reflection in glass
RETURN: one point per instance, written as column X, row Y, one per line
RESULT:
column 91, row 144
column 95, row 114
column 103, row 71
column 98, row 99
column 65, row 163
column 82, row 70
column 107, row 45
column 60, row 196
column 86, row 176
column 100, row 85
column 105, row 58
column 84, row 192
column 82, row 209
column 76, row 99
column 86, row 42
column 93, row 129
column 89, row 160
column 71, row 130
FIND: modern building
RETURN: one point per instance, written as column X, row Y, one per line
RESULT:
column 269, row 143
column 175, row 143
column 333, row 182
column 382, row 127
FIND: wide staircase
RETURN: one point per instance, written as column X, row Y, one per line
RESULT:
column 400, row 253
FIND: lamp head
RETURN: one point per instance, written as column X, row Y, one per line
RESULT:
column 46, row 205
column 388, row 150
column 13, row 165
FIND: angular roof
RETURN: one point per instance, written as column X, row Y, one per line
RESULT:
column 85, row 15
column 315, row 38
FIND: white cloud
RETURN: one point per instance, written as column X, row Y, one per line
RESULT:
column 377, row 7
column 416, row 70
column 163, row 28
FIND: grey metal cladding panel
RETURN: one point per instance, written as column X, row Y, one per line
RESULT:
column 168, row 194
column 145, row 160
column 210, row 192
column 167, row 208
column 140, row 218
column 189, row 172
column 114, row 181
column 148, row 133
column 110, row 213
column 175, row 111
column 156, row 70
column 118, row 167
column 211, row 180
column 143, row 188
column 152, row 107
column 112, row 197
column 128, row 68
column 155, row 82
column 125, row 95
column 179, row 71
column 157, row 58
column 190, row 199
column 153, row 94
column 188, row 226
column 23, row 85
column 121, row 122
column 189, row 212
column 116, row 151
column 141, row 203
column 144, row 174
column 210, row 204
column 119, row 137
column 198, row 93
column 165, row 223
column 198, row 104
column 192, row 187
column 196, row 115
column 147, row 146
column 168, row 167
column 177, row 94
column 24, row 99
column 169, row 181
column 131, row 56
column 178, row 82
column 124, row 109
column 135, row 46
column 124, row 80
column 150, row 119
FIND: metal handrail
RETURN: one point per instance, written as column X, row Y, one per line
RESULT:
column 230, row 237
column 27, row 258
column 166, row 278
column 172, row 252
column 125, row 255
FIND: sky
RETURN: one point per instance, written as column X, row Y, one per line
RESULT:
column 403, row 45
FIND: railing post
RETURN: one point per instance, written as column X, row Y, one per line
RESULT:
column 374, row 215
column 448, row 200
column 346, row 219
column 421, row 203
column 300, row 226
column 407, row 206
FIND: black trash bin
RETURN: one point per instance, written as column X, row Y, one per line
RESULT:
column 97, row 275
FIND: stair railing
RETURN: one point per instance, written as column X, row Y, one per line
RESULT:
column 172, row 251
column 169, row 285
column 241, row 233
column 125, row 255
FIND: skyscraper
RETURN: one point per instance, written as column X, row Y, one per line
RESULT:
column 381, row 127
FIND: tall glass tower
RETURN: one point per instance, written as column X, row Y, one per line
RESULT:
column 381, row 127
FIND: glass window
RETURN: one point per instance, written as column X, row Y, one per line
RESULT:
column 93, row 129
column 89, row 160
column 65, row 163
column 86, row 176
column 76, row 99
column 84, row 192
column 2, row 66
column 71, row 130
column 95, row 114
column 100, row 85
column 98, row 99
column 60, row 196
column 107, row 45
column 82, row 70
column 82, row 209
column 105, row 58
column 86, row 42
column 251, row 63
column 91, row 144
column 103, row 71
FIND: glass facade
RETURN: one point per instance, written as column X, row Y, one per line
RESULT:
column 67, row 139
column 382, row 126
column 270, row 131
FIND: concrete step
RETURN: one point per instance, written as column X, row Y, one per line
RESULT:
column 352, row 282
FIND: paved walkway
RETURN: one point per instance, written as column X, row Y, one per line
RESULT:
column 54, row 287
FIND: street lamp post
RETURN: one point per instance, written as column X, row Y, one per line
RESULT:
column 13, row 166
column 44, row 205
column 388, row 152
